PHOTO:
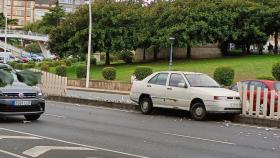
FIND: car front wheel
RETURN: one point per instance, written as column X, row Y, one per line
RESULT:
column 198, row 111
column 146, row 106
column 32, row 117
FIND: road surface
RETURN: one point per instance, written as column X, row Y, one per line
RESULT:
column 77, row 131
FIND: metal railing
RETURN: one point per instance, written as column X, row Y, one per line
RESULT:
column 26, row 34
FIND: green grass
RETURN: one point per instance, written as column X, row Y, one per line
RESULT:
column 246, row 67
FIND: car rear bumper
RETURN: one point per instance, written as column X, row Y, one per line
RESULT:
column 8, row 109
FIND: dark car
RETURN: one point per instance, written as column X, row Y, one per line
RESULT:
column 21, row 99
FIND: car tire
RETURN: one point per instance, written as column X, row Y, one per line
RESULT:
column 146, row 105
column 198, row 111
column 32, row 117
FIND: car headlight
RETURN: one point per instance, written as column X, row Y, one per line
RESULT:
column 40, row 94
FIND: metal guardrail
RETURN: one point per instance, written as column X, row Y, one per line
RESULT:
column 32, row 35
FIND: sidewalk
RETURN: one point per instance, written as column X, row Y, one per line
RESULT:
column 99, row 94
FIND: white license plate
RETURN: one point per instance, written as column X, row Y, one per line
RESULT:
column 22, row 102
column 235, row 105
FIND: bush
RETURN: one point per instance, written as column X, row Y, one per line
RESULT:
column 74, row 60
column 32, row 63
column 93, row 61
column 126, row 56
column 142, row 72
column 28, row 66
column 49, row 63
column 56, row 63
column 12, row 64
column 45, row 67
column 68, row 62
column 109, row 73
column 47, row 60
column 40, row 64
column 81, row 71
column 266, row 78
column 276, row 71
column 61, row 70
column 224, row 75
column 19, row 66
column 62, row 63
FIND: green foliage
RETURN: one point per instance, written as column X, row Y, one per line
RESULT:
column 12, row 64
column 276, row 71
column 49, row 63
column 62, row 63
column 61, row 70
column 263, row 77
column 74, row 60
column 45, row 68
column 142, row 72
column 93, row 61
column 81, row 71
column 33, row 63
column 109, row 73
column 28, row 66
column 19, row 66
column 224, row 75
column 33, row 47
column 56, row 63
column 68, row 62
column 126, row 56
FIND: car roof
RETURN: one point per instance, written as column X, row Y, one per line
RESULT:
column 184, row 72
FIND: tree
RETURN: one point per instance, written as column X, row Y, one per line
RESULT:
column 10, row 21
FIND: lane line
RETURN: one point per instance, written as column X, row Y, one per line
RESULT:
column 11, row 154
column 40, row 150
column 73, row 143
column 53, row 115
column 103, row 108
column 198, row 138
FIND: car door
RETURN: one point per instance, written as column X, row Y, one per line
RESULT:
column 156, row 88
column 177, row 96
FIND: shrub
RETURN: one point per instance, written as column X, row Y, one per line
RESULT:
column 81, row 71
column 142, row 72
column 61, row 70
column 32, row 63
column 45, row 67
column 74, row 60
column 12, row 64
column 93, row 61
column 224, row 75
column 47, row 60
column 109, row 73
column 49, row 63
column 62, row 63
column 276, row 71
column 40, row 64
column 28, row 66
column 126, row 56
column 19, row 66
column 55, row 63
column 68, row 62
column 266, row 78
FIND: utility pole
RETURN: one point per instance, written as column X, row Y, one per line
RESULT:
column 89, row 45
column 6, row 24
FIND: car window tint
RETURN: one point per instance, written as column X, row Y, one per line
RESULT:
column 159, row 79
column 257, row 84
column 175, row 79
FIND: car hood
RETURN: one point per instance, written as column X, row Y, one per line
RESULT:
column 18, row 87
column 217, row 91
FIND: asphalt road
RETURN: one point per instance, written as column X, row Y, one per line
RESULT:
column 77, row 131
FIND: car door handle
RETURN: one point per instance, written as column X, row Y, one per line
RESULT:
column 149, row 86
column 169, row 88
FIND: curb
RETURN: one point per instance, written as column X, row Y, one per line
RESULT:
column 125, row 106
column 98, row 90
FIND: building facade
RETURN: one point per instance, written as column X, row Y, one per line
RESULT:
column 71, row 5
column 42, row 7
column 22, row 10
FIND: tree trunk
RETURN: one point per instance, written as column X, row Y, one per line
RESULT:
column 276, row 42
column 248, row 49
column 156, row 50
column 260, row 49
column 244, row 49
column 144, row 54
column 107, row 58
column 189, row 51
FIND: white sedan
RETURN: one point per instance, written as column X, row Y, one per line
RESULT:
column 194, row 92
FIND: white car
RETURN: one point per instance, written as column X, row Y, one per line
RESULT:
column 194, row 92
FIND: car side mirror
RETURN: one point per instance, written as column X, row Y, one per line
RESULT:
column 182, row 85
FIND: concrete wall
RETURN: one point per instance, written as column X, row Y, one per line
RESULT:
column 208, row 51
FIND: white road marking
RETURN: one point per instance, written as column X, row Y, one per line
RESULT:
column 73, row 143
column 197, row 138
column 250, row 126
column 11, row 154
column 103, row 108
column 40, row 150
column 17, row 137
column 59, row 116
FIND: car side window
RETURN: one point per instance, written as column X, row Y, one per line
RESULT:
column 258, row 84
column 175, row 79
column 159, row 79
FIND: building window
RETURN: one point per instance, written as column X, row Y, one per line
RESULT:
column 66, row 1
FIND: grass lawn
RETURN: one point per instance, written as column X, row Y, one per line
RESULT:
column 246, row 67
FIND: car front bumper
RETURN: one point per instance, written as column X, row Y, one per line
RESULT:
column 224, row 106
column 8, row 109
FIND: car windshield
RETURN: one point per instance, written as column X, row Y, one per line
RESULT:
column 201, row 80
column 277, row 86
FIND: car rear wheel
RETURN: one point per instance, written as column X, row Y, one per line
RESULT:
column 32, row 117
column 146, row 105
column 198, row 111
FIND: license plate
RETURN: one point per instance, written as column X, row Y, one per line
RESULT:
column 234, row 105
column 22, row 102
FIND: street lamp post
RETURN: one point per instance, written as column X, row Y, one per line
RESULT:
column 171, row 39
column 89, row 44
column 6, row 24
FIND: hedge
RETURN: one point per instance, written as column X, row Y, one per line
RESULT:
column 61, row 70
column 142, row 72
column 109, row 73
column 224, row 75
column 81, row 71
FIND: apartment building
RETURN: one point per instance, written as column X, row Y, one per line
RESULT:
column 42, row 7
column 19, row 9
column 71, row 5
